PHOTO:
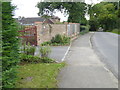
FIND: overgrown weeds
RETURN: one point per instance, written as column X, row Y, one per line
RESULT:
column 58, row 40
column 27, row 55
column 45, row 51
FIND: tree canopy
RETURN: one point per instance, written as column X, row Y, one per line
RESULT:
column 75, row 10
column 104, row 14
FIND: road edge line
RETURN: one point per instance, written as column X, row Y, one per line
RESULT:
column 106, row 66
column 66, row 53
column 90, row 40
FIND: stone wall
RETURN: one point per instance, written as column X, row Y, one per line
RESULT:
column 45, row 32
column 58, row 29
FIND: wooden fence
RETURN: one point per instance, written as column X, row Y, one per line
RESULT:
column 29, row 34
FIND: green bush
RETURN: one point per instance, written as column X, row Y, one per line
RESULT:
column 57, row 39
column 60, row 40
column 30, row 58
column 117, row 31
column 46, row 43
column 45, row 51
column 65, row 40
column 52, row 40
column 47, row 60
column 84, row 29
column 35, row 59
column 28, row 49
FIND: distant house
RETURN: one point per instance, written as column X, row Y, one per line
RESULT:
column 32, row 20
column 48, row 21
column 55, row 19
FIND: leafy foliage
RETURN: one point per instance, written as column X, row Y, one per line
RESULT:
column 46, row 43
column 58, row 40
column 45, row 51
column 76, row 10
column 10, row 46
column 117, row 31
column 30, row 58
column 94, row 24
column 27, row 55
column 105, row 15
column 47, row 60
column 84, row 29
column 28, row 49
column 34, row 59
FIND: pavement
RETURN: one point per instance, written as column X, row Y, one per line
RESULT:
column 84, row 68
column 57, row 52
column 106, row 46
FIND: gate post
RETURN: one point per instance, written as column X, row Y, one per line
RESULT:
column 38, row 30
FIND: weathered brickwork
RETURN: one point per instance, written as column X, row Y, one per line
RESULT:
column 45, row 32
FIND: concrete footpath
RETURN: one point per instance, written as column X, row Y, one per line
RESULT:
column 84, row 68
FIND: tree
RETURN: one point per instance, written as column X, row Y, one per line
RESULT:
column 76, row 10
column 10, row 49
column 94, row 24
column 104, row 14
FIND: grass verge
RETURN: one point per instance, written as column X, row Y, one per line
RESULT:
column 42, row 75
column 116, row 31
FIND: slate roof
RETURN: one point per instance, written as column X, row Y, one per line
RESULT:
column 48, row 21
column 30, row 20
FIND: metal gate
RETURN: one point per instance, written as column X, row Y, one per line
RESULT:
column 29, row 35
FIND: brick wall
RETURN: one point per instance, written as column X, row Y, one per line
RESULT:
column 45, row 32
column 59, row 29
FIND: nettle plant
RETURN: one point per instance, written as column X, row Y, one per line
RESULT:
column 28, row 49
column 45, row 51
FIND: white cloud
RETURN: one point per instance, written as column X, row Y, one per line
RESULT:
column 27, row 8
column 92, row 1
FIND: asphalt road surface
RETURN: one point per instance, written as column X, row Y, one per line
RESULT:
column 57, row 52
column 106, row 45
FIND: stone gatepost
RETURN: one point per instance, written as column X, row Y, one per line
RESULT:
column 39, row 28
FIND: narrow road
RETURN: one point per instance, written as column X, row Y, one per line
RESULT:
column 84, row 68
column 106, row 46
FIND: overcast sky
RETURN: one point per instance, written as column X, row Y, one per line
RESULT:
column 27, row 8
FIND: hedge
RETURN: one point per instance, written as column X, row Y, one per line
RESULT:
column 84, row 29
column 10, row 49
